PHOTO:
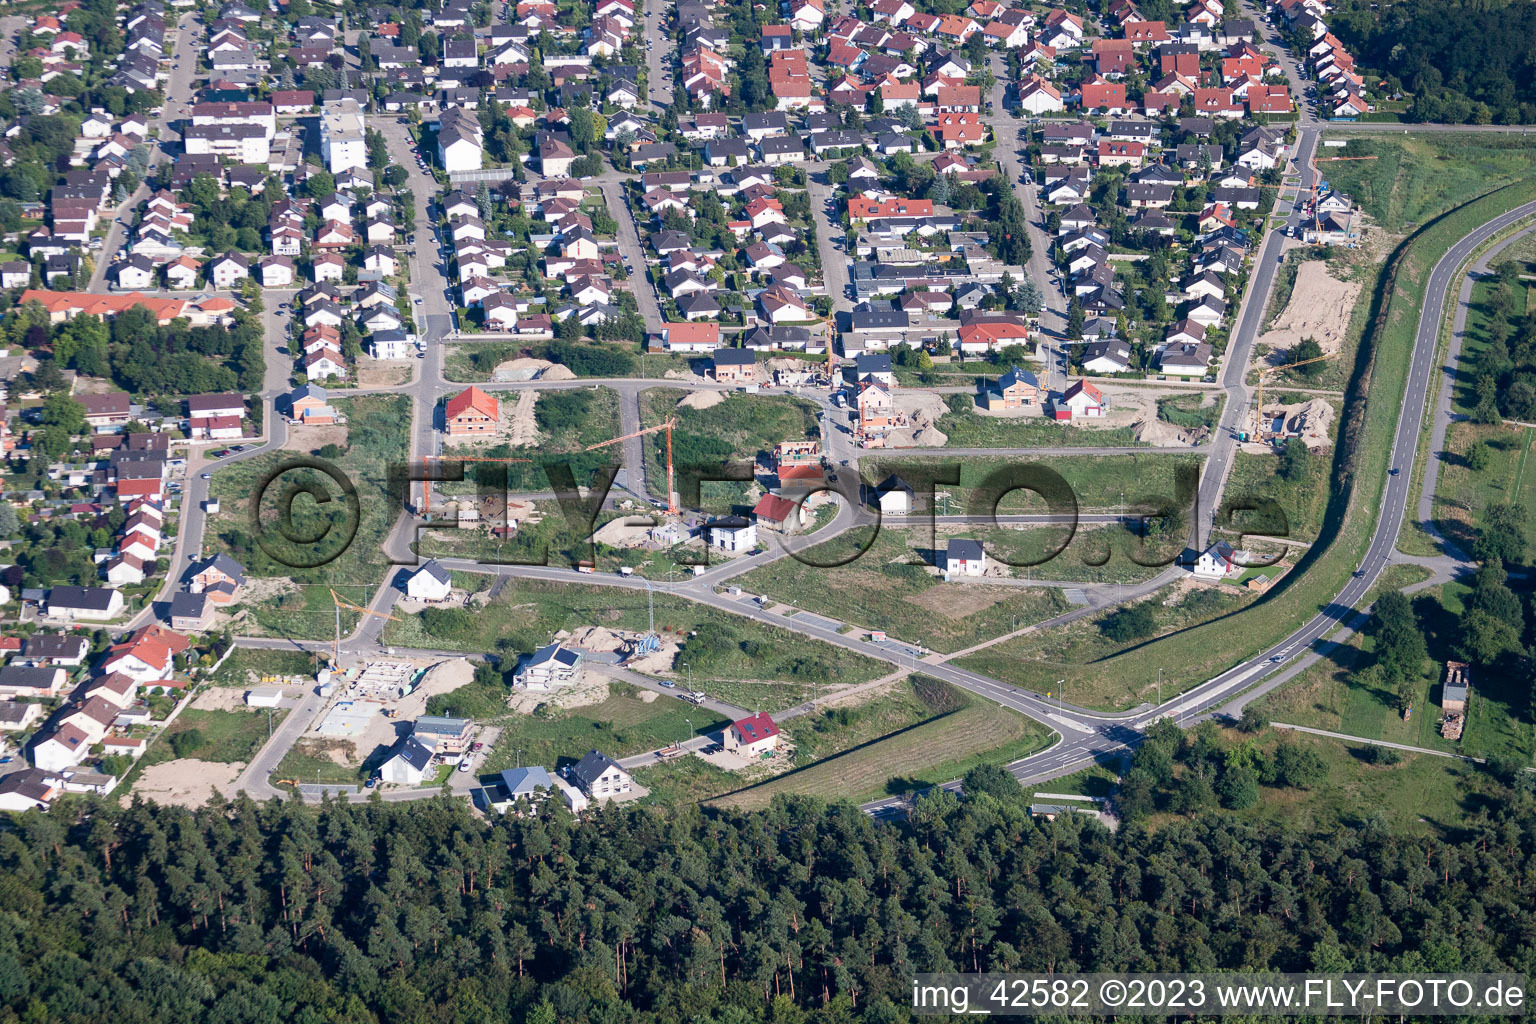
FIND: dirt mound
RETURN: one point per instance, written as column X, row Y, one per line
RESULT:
column 922, row 409
column 1309, row 421
column 557, row 371
column 596, row 638
column 521, row 368
column 625, row 532
column 1162, row 433
column 445, row 677
column 592, row 689
column 702, row 400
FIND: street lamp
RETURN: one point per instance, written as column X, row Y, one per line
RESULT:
column 1061, row 689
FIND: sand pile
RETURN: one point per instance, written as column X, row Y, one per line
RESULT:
column 592, row 689
column 521, row 368
column 557, row 371
column 1163, row 434
column 1309, row 420
column 596, row 638
column 923, row 409
column 702, row 400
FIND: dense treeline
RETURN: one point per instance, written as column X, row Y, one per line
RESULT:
column 141, row 356
column 804, row 912
column 1464, row 61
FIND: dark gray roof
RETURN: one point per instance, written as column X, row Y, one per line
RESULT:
column 965, row 548
column 186, row 605
column 415, row 753
column 93, row 598
column 589, row 769
column 734, row 357
column 54, row 645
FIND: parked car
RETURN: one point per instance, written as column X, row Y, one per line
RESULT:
column 463, row 766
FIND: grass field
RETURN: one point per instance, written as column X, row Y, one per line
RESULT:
column 1255, row 477
column 884, row 589
column 736, row 430
column 476, row 362
column 569, row 420
column 959, row 732
column 308, row 760
column 377, row 437
column 1103, row 673
column 1330, row 695
column 527, row 613
column 620, row 726
column 1099, row 482
column 970, row 429
column 245, row 660
column 1463, row 492
column 228, row 736
column 1417, row 177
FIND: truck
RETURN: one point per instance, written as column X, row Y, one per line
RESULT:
column 625, row 570
column 586, row 567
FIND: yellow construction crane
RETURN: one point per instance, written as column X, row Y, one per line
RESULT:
column 1258, row 410
column 667, row 426
column 340, row 604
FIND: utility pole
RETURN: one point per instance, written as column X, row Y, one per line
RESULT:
column 1159, row 687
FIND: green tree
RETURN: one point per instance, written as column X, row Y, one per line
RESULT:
column 1298, row 766
column 63, row 412
column 1295, row 460
column 1502, row 534
column 1130, row 623
column 1479, row 456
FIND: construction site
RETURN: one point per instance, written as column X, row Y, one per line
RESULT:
column 371, row 703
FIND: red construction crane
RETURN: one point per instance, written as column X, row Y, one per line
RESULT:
column 667, row 426
column 426, row 485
